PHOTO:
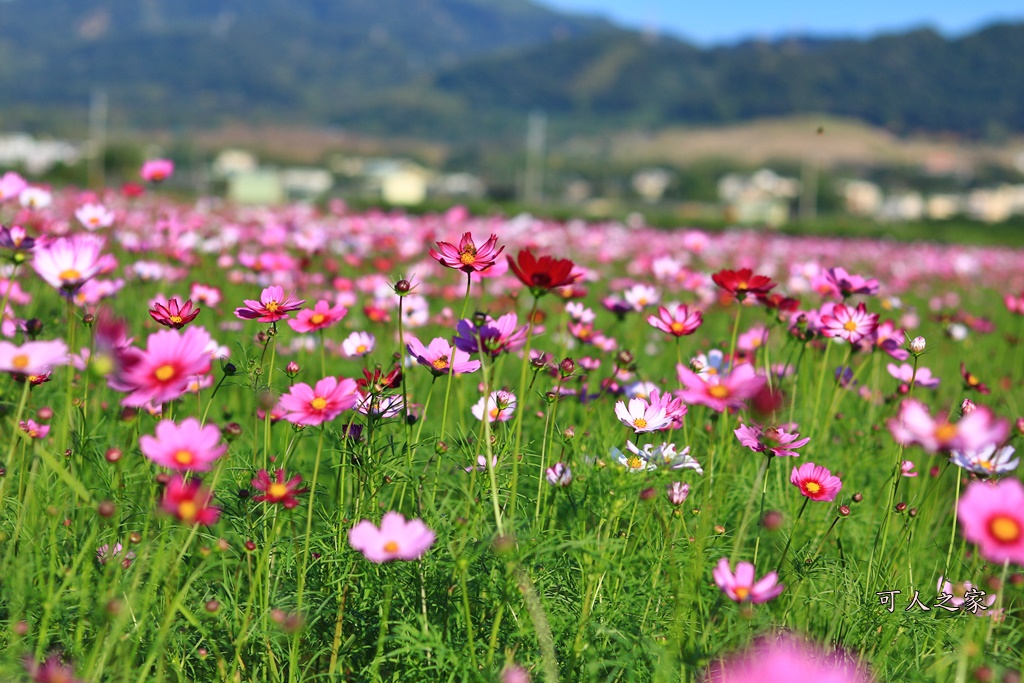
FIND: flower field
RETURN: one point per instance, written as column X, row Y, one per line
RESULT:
column 294, row 444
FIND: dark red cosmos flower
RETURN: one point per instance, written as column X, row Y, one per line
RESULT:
column 173, row 314
column 542, row 274
column 779, row 302
column 740, row 283
column 972, row 382
column 377, row 382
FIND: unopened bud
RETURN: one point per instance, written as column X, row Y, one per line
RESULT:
column 912, row 512
column 44, row 413
column 569, row 433
column 624, row 359
column 230, row 369
column 844, row 511
column 113, row 454
column 900, row 507
column 212, row 606
column 858, row 497
column 917, row 345
column 291, row 369
column 106, row 509
column 33, row 327
column 647, row 493
column 772, row 520
column 440, row 448
column 567, row 367
column 719, row 529
column 88, row 319
column 232, row 431
column 403, row 287
column 967, row 407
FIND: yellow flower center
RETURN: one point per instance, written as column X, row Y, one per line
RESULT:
column 987, row 465
column 317, row 318
column 69, row 275
column 318, row 403
column 272, row 306
column 187, row 510
column 391, row 547
column 972, row 380
column 849, row 326
column 94, row 220
column 468, row 256
column 812, row 487
column 164, row 373
column 677, row 328
column 634, row 463
column 361, row 348
column 277, row 491
column 176, row 319
column 440, row 364
column 495, row 412
column 742, row 592
column 719, row 391
column 20, row 361
column 184, row 457
column 945, row 432
column 640, row 423
column 1004, row 529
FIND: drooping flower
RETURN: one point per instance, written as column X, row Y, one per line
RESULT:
column 786, row 659
column 742, row 587
column 174, row 315
column 493, row 337
column 774, row 440
column 277, row 490
column 641, row 416
column 358, row 344
column 907, row 468
column 847, row 285
column 678, row 322
column 272, row 306
column 976, row 430
column 396, row 539
column 189, row 501
column 437, row 356
column 467, row 257
column 559, row 475
column 718, row 391
column 816, row 482
column 163, row 371
column 188, row 446
column 741, row 283
column 34, row 429
column 320, row 317
column 849, row 324
column 33, row 358
column 678, row 492
column 67, row 263
column 542, row 274
column 501, row 405
column 972, row 382
column 992, row 517
column 305, row 405
column 988, row 461
column 157, row 170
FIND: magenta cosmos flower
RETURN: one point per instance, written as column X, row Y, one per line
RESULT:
column 157, row 170
column 844, row 284
column 816, row 482
column 437, row 356
column 741, row 587
column 786, row 659
column 272, row 306
column 67, row 263
column 396, row 539
column 188, row 446
column 992, row 517
column 774, row 440
column 174, row 315
column 849, row 324
column 277, row 490
column 678, row 322
column 305, row 405
column 494, row 337
column 189, row 501
column 467, row 257
column 717, row 391
column 33, row 358
column 163, row 372
column 976, row 430
column 320, row 317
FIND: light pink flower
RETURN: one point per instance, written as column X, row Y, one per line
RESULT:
column 188, row 446
column 320, row 317
column 558, row 475
column 913, row 424
column 500, row 406
column 67, row 263
column 358, row 344
column 396, row 539
column 95, row 216
column 305, row 405
column 786, row 659
column 678, row 492
column 992, row 517
column 272, row 306
column 33, row 429
column 33, row 358
column 816, row 482
column 718, row 391
column 678, row 322
column 905, row 372
column 467, row 257
column 741, row 587
column 11, row 185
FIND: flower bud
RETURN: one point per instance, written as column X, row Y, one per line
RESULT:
column 212, row 606
column 1020, row 425
column 44, row 413
column 624, row 359
column 106, row 509
column 917, row 345
column 88, row 319
column 292, row 369
column 440, row 448
column 967, row 407
column 232, row 431
column 569, row 433
column 677, row 493
column 403, row 287
column 33, row 327
column 858, row 497
column 567, row 367
column 844, row 510
column 900, row 507
column 772, row 520
column 113, row 454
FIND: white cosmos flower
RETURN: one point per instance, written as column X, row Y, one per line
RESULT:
column 987, row 461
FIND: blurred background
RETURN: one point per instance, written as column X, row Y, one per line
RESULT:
column 871, row 117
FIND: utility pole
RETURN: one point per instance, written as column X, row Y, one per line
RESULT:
column 97, row 137
column 536, row 135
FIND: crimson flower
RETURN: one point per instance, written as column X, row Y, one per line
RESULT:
column 272, row 306
column 173, row 314
column 467, row 257
column 740, row 283
column 972, row 382
column 278, row 490
column 543, row 274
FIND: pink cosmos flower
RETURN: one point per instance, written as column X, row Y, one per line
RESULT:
column 905, row 373
column 992, row 517
column 67, row 262
column 33, row 358
column 849, row 324
column 396, row 539
column 558, row 475
column 890, row 340
column 174, row 314
column 641, row 416
column 94, row 216
column 358, row 344
column 1014, row 304
column 907, row 468
column 673, row 406
column 816, row 482
column 774, row 440
column 467, row 257
column 677, row 493
column 33, row 429
column 741, row 586
column 959, row 590
column 718, row 391
column 753, row 339
column 847, row 285
column 188, row 446
column 11, row 185
column 500, row 406
column 272, row 306
column 209, row 296
column 157, row 170
column 913, row 424
column 678, row 322
column 786, row 659
column 320, row 317
column 305, row 405
column 641, row 296
column 438, row 355
column 494, row 337
column 189, row 501
column 50, row 671
column 163, row 371
column 16, row 239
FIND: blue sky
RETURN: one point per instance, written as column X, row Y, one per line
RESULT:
column 710, row 23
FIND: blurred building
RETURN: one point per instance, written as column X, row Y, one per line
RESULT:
column 762, row 197
column 21, row 150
